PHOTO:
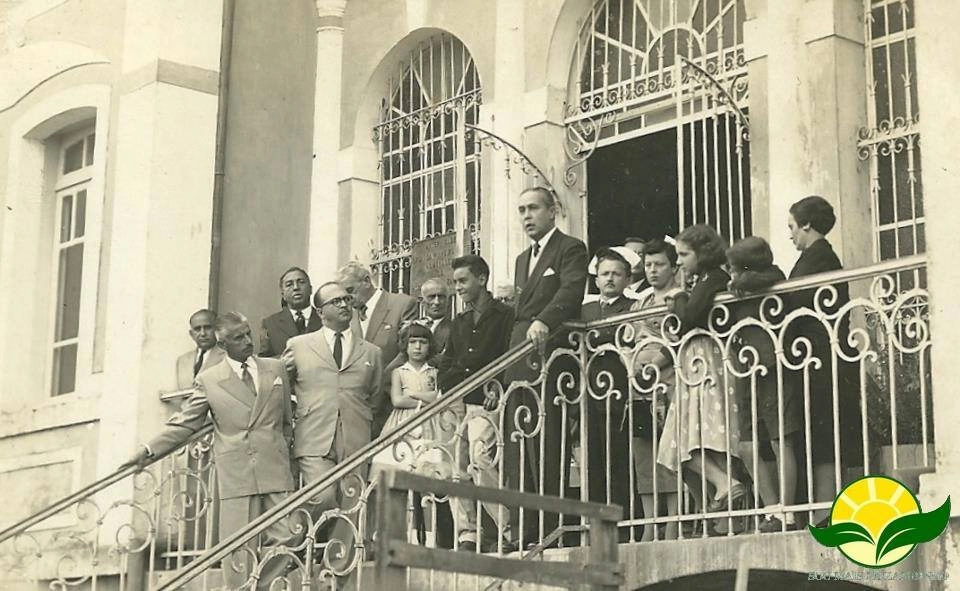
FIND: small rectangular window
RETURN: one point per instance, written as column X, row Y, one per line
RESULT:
column 91, row 142
column 68, row 296
column 81, row 215
column 66, row 218
column 73, row 157
column 65, row 369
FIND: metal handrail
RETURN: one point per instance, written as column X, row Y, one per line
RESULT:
column 359, row 458
column 93, row 488
column 515, row 354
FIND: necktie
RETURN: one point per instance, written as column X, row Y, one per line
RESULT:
column 198, row 363
column 247, row 378
column 301, row 322
column 362, row 311
column 536, row 249
column 338, row 349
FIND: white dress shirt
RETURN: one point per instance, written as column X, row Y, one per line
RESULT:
column 346, row 340
column 251, row 368
column 371, row 305
column 307, row 313
column 543, row 244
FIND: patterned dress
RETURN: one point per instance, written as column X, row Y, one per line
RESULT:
column 418, row 451
column 704, row 414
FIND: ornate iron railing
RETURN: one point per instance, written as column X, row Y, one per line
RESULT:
column 596, row 391
column 128, row 524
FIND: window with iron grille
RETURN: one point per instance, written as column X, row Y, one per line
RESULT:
column 429, row 173
column 890, row 142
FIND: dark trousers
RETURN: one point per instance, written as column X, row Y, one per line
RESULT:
column 546, row 455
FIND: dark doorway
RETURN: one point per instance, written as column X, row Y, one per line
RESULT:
column 632, row 190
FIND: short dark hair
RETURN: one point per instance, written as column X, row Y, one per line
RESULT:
column 474, row 263
column 608, row 254
column 416, row 329
column 658, row 245
column 750, row 254
column 316, row 294
column 549, row 196
column 291, row 270
column 709, row 246
column 816, row 211
column 205, row 311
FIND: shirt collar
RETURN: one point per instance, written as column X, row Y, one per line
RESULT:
column 372, row 302
column 607, row 302
column 482, row 303
column 235, row 365
column 423, row 368
column 544, row 240
column 307, row 313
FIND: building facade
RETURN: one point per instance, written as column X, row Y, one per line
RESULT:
column 357, row 129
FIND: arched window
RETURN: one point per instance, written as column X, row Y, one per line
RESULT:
column 429, row 174
column 658, row 103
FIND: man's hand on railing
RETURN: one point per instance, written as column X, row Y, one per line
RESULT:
column 139, row 459
column 539, row 332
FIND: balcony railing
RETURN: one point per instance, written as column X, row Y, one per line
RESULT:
column 845, row 379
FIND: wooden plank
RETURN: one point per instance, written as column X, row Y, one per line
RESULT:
column 544, row 572
column 391, row 525
column 511, row 498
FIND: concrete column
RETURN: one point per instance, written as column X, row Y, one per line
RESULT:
column 501, row 230
column 160, row 244
column 834, row 108
column 937, row 23
column 357, row 207
column 324, row 192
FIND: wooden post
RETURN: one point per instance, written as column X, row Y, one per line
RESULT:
column 603, row 547
column 391, row 525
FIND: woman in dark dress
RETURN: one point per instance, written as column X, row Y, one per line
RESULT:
column 810, row 220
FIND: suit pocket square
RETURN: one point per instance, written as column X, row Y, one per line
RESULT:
column 387, row 327
column 549, row 272
column 277, row 381
column 368, row 364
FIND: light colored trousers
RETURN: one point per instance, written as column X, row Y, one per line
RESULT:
column 476, row 452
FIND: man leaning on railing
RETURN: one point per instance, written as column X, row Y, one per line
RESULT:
column 249, row 400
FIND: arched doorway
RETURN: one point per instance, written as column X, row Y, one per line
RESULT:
column 429, row 172
column 656, row 118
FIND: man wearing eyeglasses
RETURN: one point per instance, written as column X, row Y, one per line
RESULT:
column 337, row 375
column 297, row 316
column 378, row 317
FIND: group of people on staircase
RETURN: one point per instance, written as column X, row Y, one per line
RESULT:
column 338, row 365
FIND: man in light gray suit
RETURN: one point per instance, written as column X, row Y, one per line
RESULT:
column 336, row 376
column 378, row 317
column 249, row 400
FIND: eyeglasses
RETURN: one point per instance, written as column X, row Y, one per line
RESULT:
column 340, row 302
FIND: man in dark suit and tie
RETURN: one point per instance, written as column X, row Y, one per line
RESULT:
column 378, row 317
column 337, row 375
column 604, row 412
column 297, row 316
column 549, row 279
column 248, row 398
column 436, row 305
column 206, row 354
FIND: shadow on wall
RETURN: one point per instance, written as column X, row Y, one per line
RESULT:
column 760, row 580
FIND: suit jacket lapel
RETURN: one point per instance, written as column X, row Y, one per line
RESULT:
column 376, row 317
column 287, row 324
column 315, row 323
column 544, row 262
column 319, row 344
column 235, row 387
column 356, row 351
column 265, row 377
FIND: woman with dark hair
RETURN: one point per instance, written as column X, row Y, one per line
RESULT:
column 810, row 220
column 696, row 437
